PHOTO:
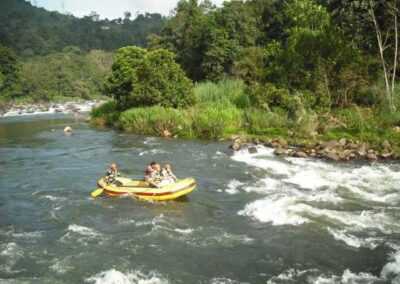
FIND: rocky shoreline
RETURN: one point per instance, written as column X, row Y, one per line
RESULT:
column 49, row 108
column 342, row 150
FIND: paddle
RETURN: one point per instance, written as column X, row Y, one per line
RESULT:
column 97, row 192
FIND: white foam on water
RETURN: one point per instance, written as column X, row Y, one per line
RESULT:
column 151, row 141
column 10, row 253
column 354, row 241
column 347, row 277
column 153, row 152
column 281, row 211
column 233, row 187
column 224, row 280
column 54, row 198
column 113, row 276
column 83, row 235
column 264, row 159
column 265, row 186
column 288, row 276
column 62, row 266
column 82, row 230
column 288, row 202
column 359, row 221
column 184, row 231
column 310, row 179
column 30, row 236
column 218, row 155
column 392, row 269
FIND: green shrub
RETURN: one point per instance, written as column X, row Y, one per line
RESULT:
column 104, row 109
column 388, row 119
column 307, row 124
column 356, row 119
column 268, row 95
column 154, row 120
column 225, row 92
column 215, row 121
column 105, row 115
column 262, row 122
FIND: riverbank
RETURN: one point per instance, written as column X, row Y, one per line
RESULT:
column 352, row 133
column 343, row 150
column 21, row 109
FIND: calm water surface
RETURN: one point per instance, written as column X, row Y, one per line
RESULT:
column 253, row 218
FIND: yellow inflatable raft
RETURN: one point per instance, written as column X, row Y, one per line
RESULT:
column 142, row 190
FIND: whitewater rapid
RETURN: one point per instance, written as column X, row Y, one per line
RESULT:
column 357, row 204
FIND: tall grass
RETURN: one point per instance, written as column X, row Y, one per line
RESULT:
column 155, row 120
column 216, row 121
column 226, row 92
column 261, row 122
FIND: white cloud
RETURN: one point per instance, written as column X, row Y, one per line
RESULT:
column 111, row 8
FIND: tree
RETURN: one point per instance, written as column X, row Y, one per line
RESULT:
column 9, row 69
column 387, row 37
column 357, row 19
column 119, row 84
column 146, row 78
column 184, row 34
column 249, row 65
column 220, row 55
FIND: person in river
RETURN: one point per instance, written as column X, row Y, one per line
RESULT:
column 153, row 174
column 167, row 175
column 112, row 173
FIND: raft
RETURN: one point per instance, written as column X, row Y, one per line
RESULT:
column 142, row 190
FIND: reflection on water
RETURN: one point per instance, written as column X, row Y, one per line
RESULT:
column 253, row 219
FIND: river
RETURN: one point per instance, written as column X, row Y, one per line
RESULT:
column 254, row 218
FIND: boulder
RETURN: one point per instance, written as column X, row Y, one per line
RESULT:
column 236, row 146
column 300, row 154
column 252, row 150
column 362, row 150
column 372, row 157
column 279, row 143
column 280, row 151
column 343, row 142
column 330, row 144
column 396, row 129
column 235, row 137
column 345, row 155
column 332, row 156
column 386, row 155
column 352, row 146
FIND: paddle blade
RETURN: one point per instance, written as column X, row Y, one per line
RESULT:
column 97, row 192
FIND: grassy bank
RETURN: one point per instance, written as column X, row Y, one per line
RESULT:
column 225, row 109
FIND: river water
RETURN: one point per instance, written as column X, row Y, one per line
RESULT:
column 254, row 218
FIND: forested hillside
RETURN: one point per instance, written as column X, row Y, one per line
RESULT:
column 29, row 30
column 47, row 56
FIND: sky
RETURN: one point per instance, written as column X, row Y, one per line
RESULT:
column 110, row 9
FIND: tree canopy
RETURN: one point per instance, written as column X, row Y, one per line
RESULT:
column 146, row 78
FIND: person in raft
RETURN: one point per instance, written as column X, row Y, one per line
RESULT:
column 152, row 174
column 167, row 175
column 112, row 173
